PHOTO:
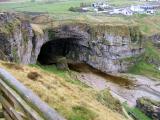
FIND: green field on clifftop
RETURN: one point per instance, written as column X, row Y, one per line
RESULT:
column 59, row 10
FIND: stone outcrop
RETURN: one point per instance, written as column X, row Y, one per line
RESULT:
column 149, row 107
column 155, row 39
column 104, row 47
column 18, row 41
column 109, row 48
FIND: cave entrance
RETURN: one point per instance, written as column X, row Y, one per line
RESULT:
column 56, row 51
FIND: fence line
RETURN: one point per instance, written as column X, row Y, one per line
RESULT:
column 20, row 103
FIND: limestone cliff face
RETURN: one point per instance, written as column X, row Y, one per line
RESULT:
column 18, row 41
column 104, row 47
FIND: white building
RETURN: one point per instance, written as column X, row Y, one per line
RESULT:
column 150, row 11
column 143, row 9
column 102, row 5
column 137, row 8
column 126, row 12
column 115, row 11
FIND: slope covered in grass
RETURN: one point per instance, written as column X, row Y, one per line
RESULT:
column 149, row 63
column 68, row 96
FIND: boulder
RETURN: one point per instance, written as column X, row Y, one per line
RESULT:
column 150, row 107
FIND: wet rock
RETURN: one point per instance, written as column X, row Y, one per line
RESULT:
column 150, row 107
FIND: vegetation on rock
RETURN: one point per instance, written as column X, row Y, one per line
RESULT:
column 149, row 63
column 150, row 107
column 82, row 113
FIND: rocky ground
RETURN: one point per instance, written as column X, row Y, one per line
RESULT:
column 130, row 92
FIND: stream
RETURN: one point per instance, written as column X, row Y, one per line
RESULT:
column 127, row 88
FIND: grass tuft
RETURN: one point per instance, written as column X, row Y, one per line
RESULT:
column 82, row 113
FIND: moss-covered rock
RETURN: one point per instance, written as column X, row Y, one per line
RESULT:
column 18, row 41
column 150, row 107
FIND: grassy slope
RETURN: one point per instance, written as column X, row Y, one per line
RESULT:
column 54, row 7
column 72, row 99
column 144, row 66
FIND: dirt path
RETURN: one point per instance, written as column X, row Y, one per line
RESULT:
column 125, row 90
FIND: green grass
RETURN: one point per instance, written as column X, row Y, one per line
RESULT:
column 82, row 113
column 60, row 11
column 125, row 2
column 149, row 62
column 51, row 69
column 69, row 76
column 54, row 7
column 136, row 112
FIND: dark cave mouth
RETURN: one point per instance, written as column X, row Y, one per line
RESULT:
column 56, row 51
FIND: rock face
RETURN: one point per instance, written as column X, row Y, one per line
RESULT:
column 149, row 107
column 104, row 47
column 156, row 40
column 18, row 41
column 109, row 48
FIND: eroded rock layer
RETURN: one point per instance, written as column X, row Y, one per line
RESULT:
column 109, row 48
